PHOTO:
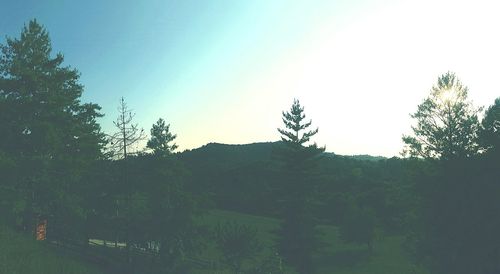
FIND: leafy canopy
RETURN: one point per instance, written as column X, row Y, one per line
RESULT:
column 51, row 136
column 446, row 123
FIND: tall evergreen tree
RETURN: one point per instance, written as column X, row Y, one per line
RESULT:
column 294, row 125
column 447, row 123
column 161, row 137
column 297, row 238
column 298, row 158
column 50, row 134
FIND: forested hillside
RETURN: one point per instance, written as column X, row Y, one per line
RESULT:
column 244, row 178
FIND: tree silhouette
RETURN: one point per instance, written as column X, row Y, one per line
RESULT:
column 128, row 133
column 490, row 128
column 293, row 121
column 161, row 137
column 122, row 141
column 446, row 123
column 46, row 130
column 454, row 231
column 297, row 233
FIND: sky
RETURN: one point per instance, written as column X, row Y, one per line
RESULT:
column 224, row 70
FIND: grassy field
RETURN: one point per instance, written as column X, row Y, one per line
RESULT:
column 22, row 255
column 337, row 257
column 265, row 227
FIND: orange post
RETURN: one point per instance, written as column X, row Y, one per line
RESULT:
column 41, row 230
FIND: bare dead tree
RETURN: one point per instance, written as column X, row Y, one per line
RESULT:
column 121, row 146
column 128, row 134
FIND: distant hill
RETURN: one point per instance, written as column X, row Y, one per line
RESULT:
column 226, row 157
column 365, row 157
column 234, row 175
column 247, row 153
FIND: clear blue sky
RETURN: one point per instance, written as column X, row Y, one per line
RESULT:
column 222, row 71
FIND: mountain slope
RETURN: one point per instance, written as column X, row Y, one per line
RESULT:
column 245, row 177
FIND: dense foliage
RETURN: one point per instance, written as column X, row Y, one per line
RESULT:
column 49, row 138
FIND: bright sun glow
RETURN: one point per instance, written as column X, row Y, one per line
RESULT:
column 447, row 95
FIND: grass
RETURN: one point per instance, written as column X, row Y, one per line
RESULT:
column 265, row 227
column 388, row 257
column 22, row 255
column 337, row 257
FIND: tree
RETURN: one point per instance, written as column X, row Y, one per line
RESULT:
column 294, row 125
column 490, row 128
column 122, row 143
column 51, row 136
column 298, row 158
column 446, row 123
column 161, row 137
column 297, row 233
column 162, row 211
column 455, row 230
column 128, row 133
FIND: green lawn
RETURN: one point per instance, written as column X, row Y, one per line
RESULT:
column 336, row 257
column 22, row 255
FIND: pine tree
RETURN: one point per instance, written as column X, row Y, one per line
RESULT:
column 297, row 239
column 293, row 121
column 52, row 136
column 299, row 159
column 161, row 137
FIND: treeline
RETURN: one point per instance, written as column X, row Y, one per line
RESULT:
column 57, row 164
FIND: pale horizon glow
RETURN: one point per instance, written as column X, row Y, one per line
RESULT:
column 223, row 72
